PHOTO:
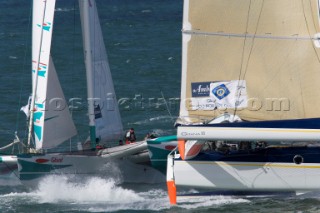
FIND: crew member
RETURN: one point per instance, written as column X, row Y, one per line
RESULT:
column 120, row 142
column 130, row 136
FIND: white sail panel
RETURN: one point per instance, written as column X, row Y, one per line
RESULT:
column 107, row 116
column 42, row 25
column 52, row 120
column 272, row 49
column 58, row 124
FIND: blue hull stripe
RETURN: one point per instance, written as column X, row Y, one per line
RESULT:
column 270, row 154
column 311, row 123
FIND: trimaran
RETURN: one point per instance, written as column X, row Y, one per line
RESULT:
column 249, row 113
column 50, row 122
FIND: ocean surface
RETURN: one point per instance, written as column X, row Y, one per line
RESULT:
column 143, row 41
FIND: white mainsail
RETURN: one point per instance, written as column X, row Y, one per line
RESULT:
column 52, row 122
column 106, row 117
column 274, row 51
column 42, row 24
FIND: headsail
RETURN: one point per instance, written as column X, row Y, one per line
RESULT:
column 270, row 56
column 107, row 118
column 58, row 124
column 52, row 123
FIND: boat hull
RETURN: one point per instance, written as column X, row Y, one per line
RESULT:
column 247, row 175
column 278, row 168
column 8, row 164
column 159, row 148
column 132, row 169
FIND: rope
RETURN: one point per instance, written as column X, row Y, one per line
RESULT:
column 9, row 145
column 166, row 103
column 243, row 49
column 15, row 141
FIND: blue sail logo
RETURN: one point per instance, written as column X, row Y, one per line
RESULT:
column 45, row 26
column 220, row 91
column 42, row 69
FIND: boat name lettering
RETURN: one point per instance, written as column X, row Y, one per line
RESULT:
column 193, row 133
column 56, row 160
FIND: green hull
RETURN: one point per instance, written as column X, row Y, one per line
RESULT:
column 159, row 148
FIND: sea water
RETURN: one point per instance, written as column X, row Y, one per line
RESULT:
column 143, row 41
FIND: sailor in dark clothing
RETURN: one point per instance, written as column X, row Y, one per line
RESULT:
column 120, row 142
column 130, row 136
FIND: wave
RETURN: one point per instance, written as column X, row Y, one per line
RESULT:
column 54, row 189
column 107, row 194
column 64, row 9
column 10, row 179
column 96, row 194
column 154, row 119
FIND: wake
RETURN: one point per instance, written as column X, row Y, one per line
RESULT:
column 97, row 194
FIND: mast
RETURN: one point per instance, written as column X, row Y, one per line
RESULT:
column 35, row 83
column 107, row 119
column 89, row 72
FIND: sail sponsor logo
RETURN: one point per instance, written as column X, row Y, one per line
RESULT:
column 220, row 91
column 56, row 160
column 200, row 89
column 45, row 26
column 229, row 94
column 38, row 121
column 42, row 68
column 224, row 94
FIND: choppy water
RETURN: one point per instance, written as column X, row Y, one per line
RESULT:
column 61, row 194
column 143, row 39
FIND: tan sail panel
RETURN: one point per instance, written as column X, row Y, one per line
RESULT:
column 259, row 42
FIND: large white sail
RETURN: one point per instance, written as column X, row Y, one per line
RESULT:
column 52, row 123
column 42, row 24
column 268, row 49
column 107, row 118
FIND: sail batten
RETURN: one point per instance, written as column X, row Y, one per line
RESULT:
column 267, row 36
column 284, row 17
column 273, row 50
